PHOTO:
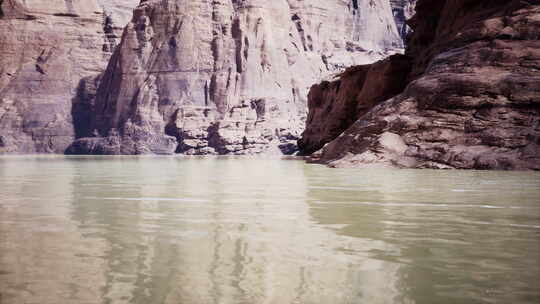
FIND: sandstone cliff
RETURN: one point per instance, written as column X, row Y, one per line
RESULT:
column 223, row 76
column 471, row 99
column 47, row 47
column 117, row 13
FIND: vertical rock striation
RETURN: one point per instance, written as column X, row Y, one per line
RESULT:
column 118, row 13
column 226, row 77
column 471, row 98
column 47, row 47
column 403, row 10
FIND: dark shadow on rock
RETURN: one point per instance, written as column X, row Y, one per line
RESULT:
column 288, row 148
column 82, row 109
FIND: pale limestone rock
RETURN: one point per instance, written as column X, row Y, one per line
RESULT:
column 118, row 13
column 230, row 77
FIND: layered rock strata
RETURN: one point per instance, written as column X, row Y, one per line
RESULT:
column 225, row 77
column 117, row 13
column 472, row 98
column 335, row 106
column 47, row 48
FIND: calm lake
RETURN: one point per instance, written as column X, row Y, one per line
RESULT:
column 208, row 230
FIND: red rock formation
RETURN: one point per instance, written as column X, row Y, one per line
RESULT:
column 472, row 99
column 46, row 48
column 334, row 106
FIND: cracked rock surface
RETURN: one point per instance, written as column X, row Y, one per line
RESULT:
column 192, row 77
column 471, row 100
column 226, row 77
column 46, row 48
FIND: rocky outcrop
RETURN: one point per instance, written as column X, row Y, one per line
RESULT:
column 335, row 106
column 472, row 98
column 47, row 48
column 225, row 77
column 117, row 14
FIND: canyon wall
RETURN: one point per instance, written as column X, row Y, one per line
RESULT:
column 225, row 77
column 192, row 77
column 471, row 96
column 46, row 48
column 403, row 10
column 117, row 14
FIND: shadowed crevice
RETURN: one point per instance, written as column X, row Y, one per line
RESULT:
column 83, row 107
column 66, row 15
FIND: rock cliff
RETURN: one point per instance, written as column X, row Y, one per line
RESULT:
column 471, row 98
column 223, row 76
column 117, row 14
column 403, row 10
column 46, row 48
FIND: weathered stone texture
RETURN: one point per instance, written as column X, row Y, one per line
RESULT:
column 117, row 13
column 403, row 10
column 193, row 77
column 46, row 48
column 229, row 77
column 472, row 99
column 335, row 106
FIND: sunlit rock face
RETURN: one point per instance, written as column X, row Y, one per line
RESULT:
column 470, row 100
column 117, row 13
column 47, row 47
column 226, row 77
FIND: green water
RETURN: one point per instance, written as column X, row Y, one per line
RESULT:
column 176, row 230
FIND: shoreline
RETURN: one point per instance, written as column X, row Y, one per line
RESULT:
column 310, row 160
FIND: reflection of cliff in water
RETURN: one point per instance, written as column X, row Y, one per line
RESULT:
column 351, row 207
column 239, row 233
column 43, row 255
column 442, row 231
column 164, row 230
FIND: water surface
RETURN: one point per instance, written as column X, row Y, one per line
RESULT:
column 176, row 230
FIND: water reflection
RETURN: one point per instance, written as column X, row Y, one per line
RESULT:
column 227, row 232
column 459, row 237
column 44, row 257
column 169, row 230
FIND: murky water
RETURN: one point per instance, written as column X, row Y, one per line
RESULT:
column 173, row 230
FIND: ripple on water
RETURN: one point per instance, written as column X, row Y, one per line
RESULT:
column 170, row 230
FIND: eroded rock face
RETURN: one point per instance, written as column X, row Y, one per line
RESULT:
column 226, row 77
column 473, row 98
column 403, row 10
column 46, row 48
column 335, row 106
column 117, row 13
